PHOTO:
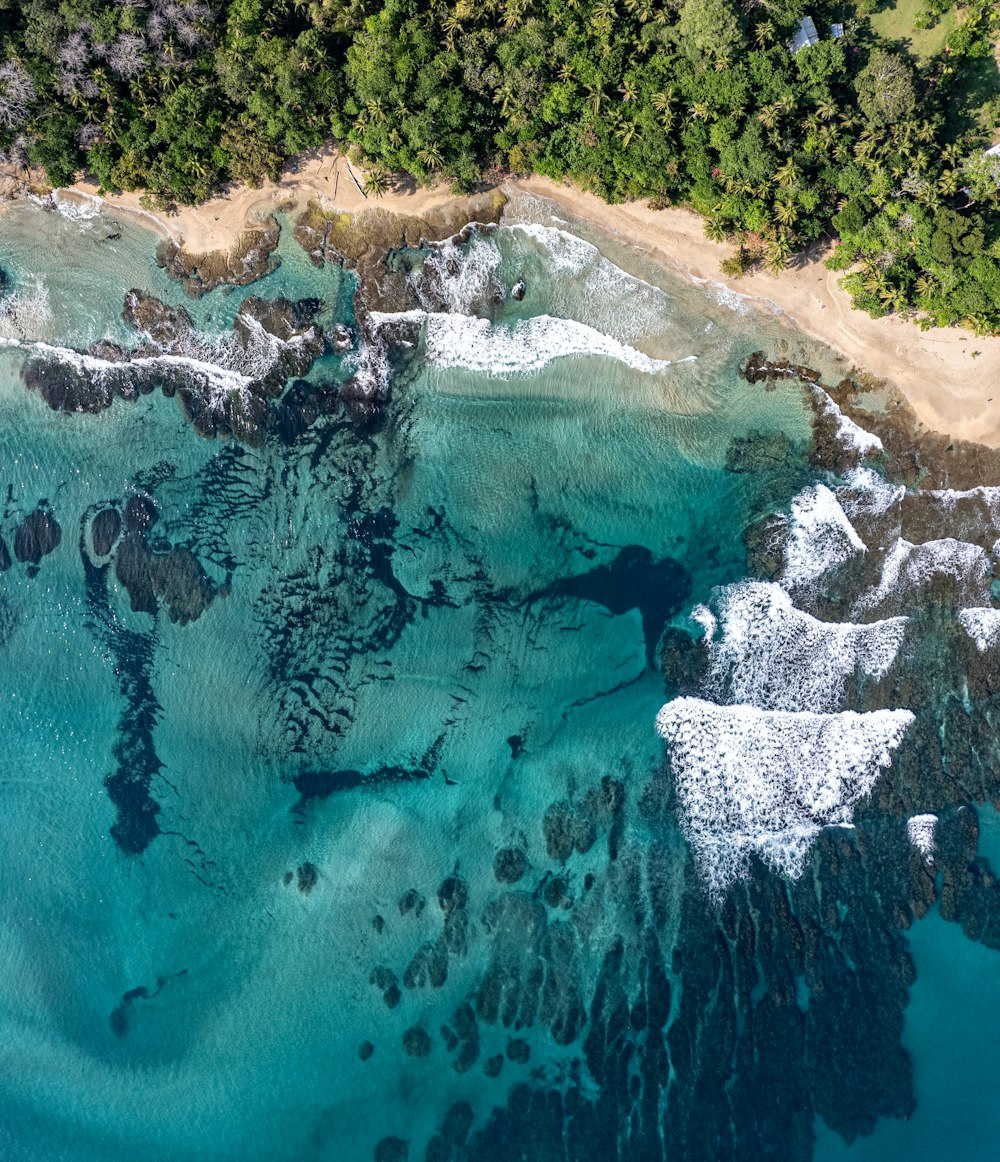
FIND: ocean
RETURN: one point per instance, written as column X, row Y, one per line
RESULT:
column 493, row 729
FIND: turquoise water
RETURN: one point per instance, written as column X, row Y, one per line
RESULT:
column 351, row 834
column 949, row 1036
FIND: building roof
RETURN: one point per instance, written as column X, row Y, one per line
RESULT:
column 836, row 31
column 805, row 34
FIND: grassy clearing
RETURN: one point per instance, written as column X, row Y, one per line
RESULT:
column 896, row 23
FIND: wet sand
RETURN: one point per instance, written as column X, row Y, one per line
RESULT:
column 948, row 375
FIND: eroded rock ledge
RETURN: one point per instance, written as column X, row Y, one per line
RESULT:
column 251, row 257
column 363, row 241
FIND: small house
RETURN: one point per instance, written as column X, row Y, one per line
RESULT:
column 805, row 35
column 836, row 31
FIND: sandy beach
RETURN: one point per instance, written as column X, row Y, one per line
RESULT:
column 949, row 375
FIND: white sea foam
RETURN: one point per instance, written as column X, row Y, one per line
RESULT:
column 775, row 657
column 731, row 300
column 982, row 625
column 76, row 207
column 909, row 568
column 591, row 286
column 868, row 495
column 458, row 279
column 852, row 434
column 920, row 830
column 767, row 781
column 25, row 312
column 502, row 350
column 989, row 494
column 212, row 377
column 820, row 537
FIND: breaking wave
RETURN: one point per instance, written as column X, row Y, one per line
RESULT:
column 590, row 285
column 765, row 782
column 503, row 350
column 459, row 277
column 820, row 537
column 920, row 832
column 852, row 434
column 960, row 567
column 24, row 313
column 775, row 657
column 982, row 625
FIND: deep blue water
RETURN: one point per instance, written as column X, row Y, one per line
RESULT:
column 336, row 822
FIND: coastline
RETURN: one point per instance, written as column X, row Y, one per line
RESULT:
column 946, row 374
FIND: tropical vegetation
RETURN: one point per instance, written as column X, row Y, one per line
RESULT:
column 856, row 138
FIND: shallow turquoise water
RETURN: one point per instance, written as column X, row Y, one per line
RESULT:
column 431, row 643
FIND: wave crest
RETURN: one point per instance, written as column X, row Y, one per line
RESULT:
column 767, row 781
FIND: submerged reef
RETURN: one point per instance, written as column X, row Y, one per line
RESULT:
column 383, row 670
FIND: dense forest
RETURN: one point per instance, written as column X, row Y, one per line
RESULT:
column 865, row 137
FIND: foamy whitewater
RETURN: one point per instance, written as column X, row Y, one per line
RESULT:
column 982, row 625
column 821, row 538
column 500, row 350
column 767, row 781
column 920, row 831
column 775, row 657
column 579, row 768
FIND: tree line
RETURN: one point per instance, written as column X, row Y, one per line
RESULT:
column 700, row 102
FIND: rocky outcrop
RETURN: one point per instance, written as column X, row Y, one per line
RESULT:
column 364, row 241
column 226, row 387
column 250, row 258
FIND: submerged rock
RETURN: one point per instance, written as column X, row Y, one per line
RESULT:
column 140, row 513
column 36, row 536
column 226, row 386
column 308, row 877
column 104, row 531
column 510, row 864
column 416, row 1042
column 392, row 1150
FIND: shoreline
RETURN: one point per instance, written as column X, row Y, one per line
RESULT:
column 946, row 374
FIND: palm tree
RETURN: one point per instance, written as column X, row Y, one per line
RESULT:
column 826, row 109
column 604, row 12
column 777, row 253
column 662, row 102
column 431, row 156
column 979, row 324
column 377, row 180
column 950, row 181
column 628, row 90
column 768, row 116
column 715, row 228
column 625, row 132
column 786, row 175
column 786, row 212
column 451, row 27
